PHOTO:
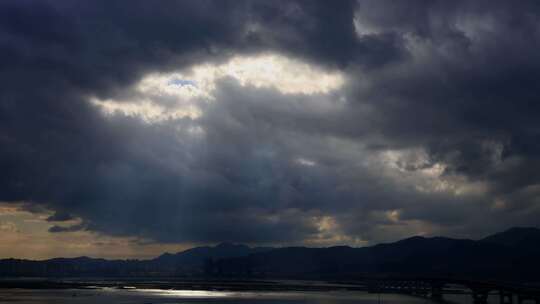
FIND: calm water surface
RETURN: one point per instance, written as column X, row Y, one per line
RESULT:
column 147, row 296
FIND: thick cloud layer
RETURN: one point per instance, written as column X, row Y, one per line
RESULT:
column 433, row 130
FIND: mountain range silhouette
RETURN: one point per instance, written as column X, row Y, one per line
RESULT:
column 512, row 255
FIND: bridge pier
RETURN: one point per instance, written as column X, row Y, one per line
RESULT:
column 420, row 289
column 506, row 297
column 436, row 291
column 479, row 296
column 523, row 298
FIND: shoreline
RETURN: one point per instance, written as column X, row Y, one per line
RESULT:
column 177, row 284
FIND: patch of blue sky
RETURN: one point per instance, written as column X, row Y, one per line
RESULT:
column 182, row 82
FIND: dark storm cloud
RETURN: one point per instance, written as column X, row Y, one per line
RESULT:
column 468, row 95
column 72, row 228
column 457, row 80
column 472, row 92
column 60, row 217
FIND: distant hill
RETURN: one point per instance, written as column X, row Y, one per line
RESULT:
column 186, row 263
column 496, row 257
column 509, row 255
column 414, row 256
column 192, row 260
column 517, row 237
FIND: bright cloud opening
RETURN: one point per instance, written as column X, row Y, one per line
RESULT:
column 163, row 96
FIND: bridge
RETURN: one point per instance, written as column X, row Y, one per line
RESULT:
column 436, row 288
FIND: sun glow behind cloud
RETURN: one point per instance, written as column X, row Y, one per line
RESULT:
column 413, row 167
column 25, row 234
column 163, row 96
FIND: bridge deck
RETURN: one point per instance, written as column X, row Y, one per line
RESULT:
column 436, row 288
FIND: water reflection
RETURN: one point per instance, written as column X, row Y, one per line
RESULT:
column 201, row 294
column 157, row 296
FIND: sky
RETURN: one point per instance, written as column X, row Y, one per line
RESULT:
column 131, row 128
